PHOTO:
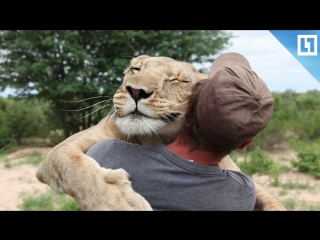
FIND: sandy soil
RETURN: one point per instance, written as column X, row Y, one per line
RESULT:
column 18, row 179
column 22, row 178
column 304, row 190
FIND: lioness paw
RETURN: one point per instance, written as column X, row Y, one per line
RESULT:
column 116, row 176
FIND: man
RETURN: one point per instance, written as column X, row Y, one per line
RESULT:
column 225, row 113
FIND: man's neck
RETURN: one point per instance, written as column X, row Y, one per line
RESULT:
column 182, row 149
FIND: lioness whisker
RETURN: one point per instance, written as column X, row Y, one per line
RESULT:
column 74, row 110
column 137, row 52
column 165, row 118
column 93, row 112
column 112, row 112
column 83, row 99
column 183, row 113
column 105, row 119
column 112, row 115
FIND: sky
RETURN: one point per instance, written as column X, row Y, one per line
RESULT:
column 272, row 61
column 269, row 59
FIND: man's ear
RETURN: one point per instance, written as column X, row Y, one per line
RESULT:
column 243, row 145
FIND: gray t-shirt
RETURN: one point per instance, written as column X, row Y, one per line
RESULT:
column 169, row 182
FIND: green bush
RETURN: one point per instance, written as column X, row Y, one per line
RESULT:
column 47, row 201
column 20, row 118
column 308, row 114
column 5, row 132
column 256, row 161
column 308, row 157
column 33, row 158
column 6, row 138
column 25, row 118
column 290, row 204
column 56, row 137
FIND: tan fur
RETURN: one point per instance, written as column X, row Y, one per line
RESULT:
column 164, row 85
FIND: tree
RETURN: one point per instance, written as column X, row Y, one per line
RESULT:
column 21, row 118
column 72, row 65
column 5, row 131
column 308, row 113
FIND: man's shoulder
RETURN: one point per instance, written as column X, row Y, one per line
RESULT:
column 116, row 145
column 105, row 145
column 241, row 178
column 107, row 142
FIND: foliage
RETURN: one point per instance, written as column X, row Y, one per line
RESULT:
column 23, row 118
column 33, row 158
column 310, row 207
column 5, row 131
column 72, row 65
column 296, row 185
column 256, row 161
column 290, row 204
column 55, row 137
column 7, row 162
column 293, row 204
column 308, row 157
column 47, row 201
column 307, row 107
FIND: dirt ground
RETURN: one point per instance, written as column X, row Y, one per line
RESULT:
column 18, row 179
column 295, row 186
column 22, row 178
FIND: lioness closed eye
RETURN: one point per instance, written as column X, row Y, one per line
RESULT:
column 149, row 108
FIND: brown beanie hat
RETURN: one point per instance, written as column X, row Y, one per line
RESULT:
column 235, row 104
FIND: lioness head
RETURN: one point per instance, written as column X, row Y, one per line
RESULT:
column 152, row 101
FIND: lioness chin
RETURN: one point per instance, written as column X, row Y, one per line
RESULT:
column 149, row 108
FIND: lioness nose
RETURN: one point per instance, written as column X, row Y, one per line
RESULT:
column 137, row 94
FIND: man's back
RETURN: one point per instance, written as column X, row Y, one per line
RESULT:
column 169, row 182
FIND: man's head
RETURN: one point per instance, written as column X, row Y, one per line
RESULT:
column 235, row 104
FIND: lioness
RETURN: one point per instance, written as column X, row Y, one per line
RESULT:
column 149, row 108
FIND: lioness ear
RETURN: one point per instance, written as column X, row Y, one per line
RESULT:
column 137, row 59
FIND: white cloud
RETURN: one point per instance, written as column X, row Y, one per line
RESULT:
column 272, row 61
